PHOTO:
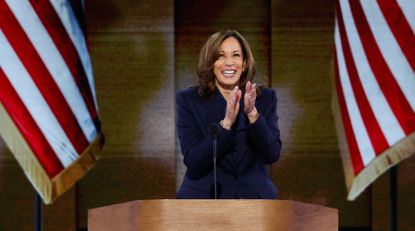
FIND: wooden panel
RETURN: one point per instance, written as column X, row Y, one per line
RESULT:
column 62, row 214
column 132, row 45
column 302, row 40
column 406, row 194
column 310, row 168
column 17, row 200
column 140, row 57
column 405, row 201
column 16, row 196
column 213, row 215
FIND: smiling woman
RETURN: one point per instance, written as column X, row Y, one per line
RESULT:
column 224, row 49
column 229, row 65
column 245, row 122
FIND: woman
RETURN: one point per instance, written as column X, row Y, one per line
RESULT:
column 246, row 117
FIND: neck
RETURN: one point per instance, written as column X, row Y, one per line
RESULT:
column 226, row 93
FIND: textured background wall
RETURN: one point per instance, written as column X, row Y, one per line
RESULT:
column 214, row 16
column 132, row 50
column 311, row 168
column 143, row 51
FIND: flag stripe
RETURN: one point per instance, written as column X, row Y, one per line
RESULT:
column 54, row 62
column 390, row 49
column 370, row 123
column 393, row 94
column 357, row 162
column 400, row 28
column 28, row 128
column 383, row 113
column 65, row 46
column 70, row 21
column 408, row 10
column 47, row 94
column 374, row 48
column 362, row 138
column 35, row 103
column 42, row 78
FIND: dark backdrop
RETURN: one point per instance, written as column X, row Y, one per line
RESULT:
column 143, row 51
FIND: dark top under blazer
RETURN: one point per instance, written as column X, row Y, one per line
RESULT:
column 242, row 153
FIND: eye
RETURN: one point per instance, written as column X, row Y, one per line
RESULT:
column 236, row 55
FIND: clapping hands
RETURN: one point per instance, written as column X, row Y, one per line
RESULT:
column 233, row 104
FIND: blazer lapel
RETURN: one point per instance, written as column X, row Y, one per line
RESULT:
column 213, row 111
column 215, row 108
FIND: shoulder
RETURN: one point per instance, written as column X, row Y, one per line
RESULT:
column 188, row 91
column 268, row 94
column 267, row 91
column 187, row 94
column 267, row 101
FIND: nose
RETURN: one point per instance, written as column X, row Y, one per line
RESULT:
column 228, row 62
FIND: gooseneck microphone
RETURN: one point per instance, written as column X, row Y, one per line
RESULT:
column 214, row 133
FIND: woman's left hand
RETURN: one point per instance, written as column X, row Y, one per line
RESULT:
column 249, row 102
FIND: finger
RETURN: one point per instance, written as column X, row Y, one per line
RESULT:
column 238, row 98
column 235, row 89
column 232, row 97
column 238, row 95
column 253, row 89
column 248, row 87
column 231, row 103
column 249, row 98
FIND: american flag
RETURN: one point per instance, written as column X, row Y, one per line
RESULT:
column 374, row 101
column 48, row 108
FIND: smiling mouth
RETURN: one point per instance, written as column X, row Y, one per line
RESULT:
column 228, row 73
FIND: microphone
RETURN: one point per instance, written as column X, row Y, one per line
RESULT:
column 214, row 133
column 214, row 130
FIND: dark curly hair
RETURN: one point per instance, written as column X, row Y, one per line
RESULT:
column 210, row 53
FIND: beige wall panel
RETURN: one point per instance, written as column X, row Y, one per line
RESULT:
column 17, row 196
column 132, row 50
column 406, row 194
column 302, row 40
column 310, row 168
column 143, row 51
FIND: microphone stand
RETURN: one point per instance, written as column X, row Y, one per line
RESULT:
column 214, row 132
column 215, row 140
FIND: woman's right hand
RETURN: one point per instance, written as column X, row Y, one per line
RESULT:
column 232, row 108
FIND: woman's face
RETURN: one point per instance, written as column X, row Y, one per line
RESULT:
column 230, row 64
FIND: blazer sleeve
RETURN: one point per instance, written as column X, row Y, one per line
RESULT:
column 264, row 133
column 197, row 147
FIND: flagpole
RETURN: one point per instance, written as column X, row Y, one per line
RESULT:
column 393, row 199
column 38, row 212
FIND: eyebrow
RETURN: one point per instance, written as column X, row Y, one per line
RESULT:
column 235, row 51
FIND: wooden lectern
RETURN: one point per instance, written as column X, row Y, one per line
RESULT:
column 213, row 215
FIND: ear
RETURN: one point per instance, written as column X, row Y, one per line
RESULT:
column 244, row 66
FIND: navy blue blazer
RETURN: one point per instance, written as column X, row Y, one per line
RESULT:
column 242, row 153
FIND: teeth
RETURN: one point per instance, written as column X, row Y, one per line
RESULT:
column 229, row 72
